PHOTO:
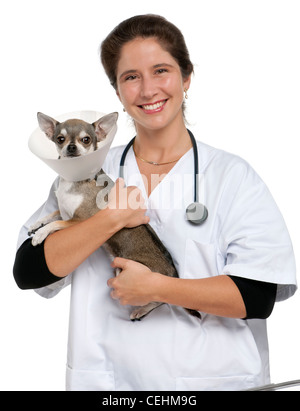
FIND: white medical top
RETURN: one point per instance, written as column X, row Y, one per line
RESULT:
column 244, row 235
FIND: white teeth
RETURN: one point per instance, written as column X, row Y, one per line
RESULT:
column 154, row 106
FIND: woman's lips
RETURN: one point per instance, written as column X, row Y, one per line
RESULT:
column 156, row 107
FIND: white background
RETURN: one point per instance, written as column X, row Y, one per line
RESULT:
column 245, row 98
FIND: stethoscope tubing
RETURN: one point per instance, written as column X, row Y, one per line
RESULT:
column 196, row 213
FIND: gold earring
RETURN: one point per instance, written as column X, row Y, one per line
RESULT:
column 186, row 94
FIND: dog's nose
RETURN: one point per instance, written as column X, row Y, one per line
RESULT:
column 71, row 148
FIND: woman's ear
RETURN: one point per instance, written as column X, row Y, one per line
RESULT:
column 187, row 82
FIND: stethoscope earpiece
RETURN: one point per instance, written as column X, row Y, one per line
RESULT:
column 196, row 213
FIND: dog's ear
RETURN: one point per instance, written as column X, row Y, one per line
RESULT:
column 47, row 124
column 104, row 125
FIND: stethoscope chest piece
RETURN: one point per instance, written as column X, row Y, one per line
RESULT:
column 196, row 213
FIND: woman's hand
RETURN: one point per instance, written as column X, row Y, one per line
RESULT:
column 128, row 204
column 135, row 285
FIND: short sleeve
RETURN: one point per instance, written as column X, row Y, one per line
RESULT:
column 255, row 237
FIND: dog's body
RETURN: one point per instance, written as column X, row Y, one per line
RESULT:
column 80, row 200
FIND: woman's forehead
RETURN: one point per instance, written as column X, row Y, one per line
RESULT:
column 144, row 53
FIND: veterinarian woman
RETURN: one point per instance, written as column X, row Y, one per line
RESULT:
column 232, row 267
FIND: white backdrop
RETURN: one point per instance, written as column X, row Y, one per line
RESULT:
column 244, row 99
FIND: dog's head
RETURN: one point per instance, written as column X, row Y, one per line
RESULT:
column 74, row 138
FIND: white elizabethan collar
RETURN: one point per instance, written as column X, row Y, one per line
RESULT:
column 76, row 168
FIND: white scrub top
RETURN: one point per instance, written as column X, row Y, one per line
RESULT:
column 244, row 235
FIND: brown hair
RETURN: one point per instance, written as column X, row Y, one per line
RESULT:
column 145, row 26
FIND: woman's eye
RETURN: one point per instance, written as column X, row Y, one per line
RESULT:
column 60, row 139
column 86, row 140
column 161, row 71
column 132, row 77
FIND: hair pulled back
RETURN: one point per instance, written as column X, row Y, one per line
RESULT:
column 144, row 26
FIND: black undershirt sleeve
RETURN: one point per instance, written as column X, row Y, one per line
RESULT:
column 31, row 271
column 259, row 297
column 30, row 268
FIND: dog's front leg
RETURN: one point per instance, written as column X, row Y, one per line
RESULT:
column 50, row 228
column 44, row 221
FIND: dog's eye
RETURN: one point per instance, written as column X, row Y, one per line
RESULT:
column 60, row 139
column 86, row 140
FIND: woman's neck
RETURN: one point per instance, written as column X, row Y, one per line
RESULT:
column 162, row 145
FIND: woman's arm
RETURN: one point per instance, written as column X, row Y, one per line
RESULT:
column 66, row 249
column 137, row 285
column 221, row 295
column 214, row 295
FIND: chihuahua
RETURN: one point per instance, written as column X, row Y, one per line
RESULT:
column 80, row 200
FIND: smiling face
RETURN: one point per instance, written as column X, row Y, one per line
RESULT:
column 150, row 84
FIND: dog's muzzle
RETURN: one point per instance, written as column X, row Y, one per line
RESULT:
column 71, row 149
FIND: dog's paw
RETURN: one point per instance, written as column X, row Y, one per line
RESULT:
column 141, row 312
column 40, row 235
column 35, row 227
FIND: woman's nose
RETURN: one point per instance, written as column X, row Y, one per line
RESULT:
column 148, row 89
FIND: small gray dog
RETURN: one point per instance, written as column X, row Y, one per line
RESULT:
column 80, row 200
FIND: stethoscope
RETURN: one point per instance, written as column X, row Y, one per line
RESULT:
column 196, row 212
